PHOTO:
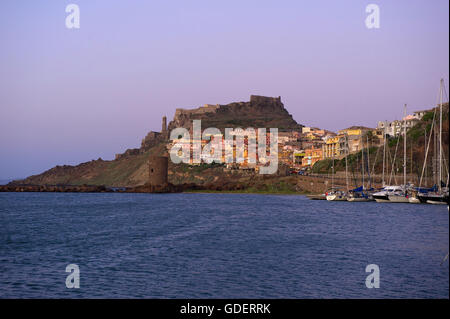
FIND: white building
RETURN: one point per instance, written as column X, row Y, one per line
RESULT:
column 419, row 114
column 395, row 128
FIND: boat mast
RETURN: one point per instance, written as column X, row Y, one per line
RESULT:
column 427, row 147
column 332, row 168
column 362, row 162
column 346, row 155
column 384, row 152
column 435, row 156
column 440, row 135
column 425, row 159
column 411, row 165
column 393, row 173
column 368, row 161
column 404, row 149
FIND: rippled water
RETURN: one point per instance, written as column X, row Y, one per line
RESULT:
column 219, row 246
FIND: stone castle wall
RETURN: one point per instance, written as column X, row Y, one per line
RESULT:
column 207, row 108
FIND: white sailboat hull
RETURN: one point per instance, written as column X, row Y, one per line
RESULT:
column 414, row 200
column 380, row 200
column 436, row 202
column 358, row 199
column 398, row 199
column 335, row 197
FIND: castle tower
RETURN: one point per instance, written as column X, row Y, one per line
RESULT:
column 164, row 132
column 164, row 124
column 158, row 170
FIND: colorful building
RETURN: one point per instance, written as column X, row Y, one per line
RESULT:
column 355, row 130
column 334, row 147
column 311, row 156
column 297, row 157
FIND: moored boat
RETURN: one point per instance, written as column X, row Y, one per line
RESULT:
column 359, row 195
column 336, row 196
column 399, row 197
column 358, row 199
column 414, row 200
column 435, row 198
column 383, row 195
column 439, row 195
column 317, row 197
column 436, row 202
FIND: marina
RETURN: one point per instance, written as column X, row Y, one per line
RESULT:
column 438, row 194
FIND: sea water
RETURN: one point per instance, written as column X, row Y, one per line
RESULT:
column 219, row 246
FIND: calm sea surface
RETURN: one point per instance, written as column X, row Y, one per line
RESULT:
column 219, row 246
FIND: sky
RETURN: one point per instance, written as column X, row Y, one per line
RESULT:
column 73, row 95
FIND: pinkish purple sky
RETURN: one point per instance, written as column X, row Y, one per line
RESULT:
column 70, row 96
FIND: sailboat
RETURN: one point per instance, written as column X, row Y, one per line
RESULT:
column 414, row 198
column 383, row 195
column 387, row 193
column 441, row 195
column 401, row 195
column 359, row 194
column 335, row 194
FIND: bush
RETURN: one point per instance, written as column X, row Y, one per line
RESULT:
column 323, row 166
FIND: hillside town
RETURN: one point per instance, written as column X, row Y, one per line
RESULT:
column 299, row 149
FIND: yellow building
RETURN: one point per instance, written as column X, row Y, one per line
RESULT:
column 334, row 147
column 355, row 136
column 355, row 130
column 297, row 157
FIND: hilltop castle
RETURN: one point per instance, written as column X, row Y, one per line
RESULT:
column 260, row 111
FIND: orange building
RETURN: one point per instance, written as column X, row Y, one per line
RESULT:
column 312, row 155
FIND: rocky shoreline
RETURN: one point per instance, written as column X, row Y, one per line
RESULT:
column 266, row 185
column 168, row 188
column 56, row 188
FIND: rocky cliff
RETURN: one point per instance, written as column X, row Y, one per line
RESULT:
column 259, row 112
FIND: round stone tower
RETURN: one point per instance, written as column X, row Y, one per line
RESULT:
column 158, row 167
